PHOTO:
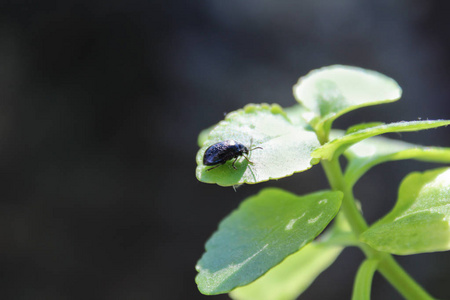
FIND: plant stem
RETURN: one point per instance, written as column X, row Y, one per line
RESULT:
column 401, row 280
column 388, row 267
column 363, row 280
column 336, row 178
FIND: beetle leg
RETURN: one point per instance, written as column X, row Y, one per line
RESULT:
column 248, row 159
column 234, row 163
column 214, row 167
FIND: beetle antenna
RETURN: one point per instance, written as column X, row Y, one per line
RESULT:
column 251, row 143
column 255, row 148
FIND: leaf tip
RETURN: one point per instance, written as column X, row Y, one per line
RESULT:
column 314, row 161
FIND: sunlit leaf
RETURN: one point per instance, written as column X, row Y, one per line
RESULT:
column 261, row 233
column 298, row 115
column 419, row 222
column 203, row 135
column 340, row 144
column 291, row 277
column 332, row 91
column 362, row 126
column 376, row 150
column 286, row 148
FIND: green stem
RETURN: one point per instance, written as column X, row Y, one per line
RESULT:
column 401, row 280
column 388, row 267
column 336, row 178
column 363, row 280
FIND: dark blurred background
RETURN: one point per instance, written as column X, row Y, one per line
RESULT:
column 101, row 103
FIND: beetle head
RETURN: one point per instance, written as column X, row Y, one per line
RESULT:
column 242, row 149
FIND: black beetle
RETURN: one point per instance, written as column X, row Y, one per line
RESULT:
column 221, row 152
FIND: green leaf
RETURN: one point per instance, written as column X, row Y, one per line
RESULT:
column 362, row 126
column 363, row 280
column 203, row 135
column 339, row 234
column 376, row 150
column 332, row 91
column 298, row 115
column 419, row 222
column 263, row 231
column 291, row 277
column 286, row 147
column 340, row 144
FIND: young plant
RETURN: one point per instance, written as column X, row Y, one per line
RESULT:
column 266, row 249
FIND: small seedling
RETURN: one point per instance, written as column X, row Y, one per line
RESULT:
column 267, row 249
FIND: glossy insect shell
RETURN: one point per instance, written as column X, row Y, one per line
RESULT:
column 221, row 152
